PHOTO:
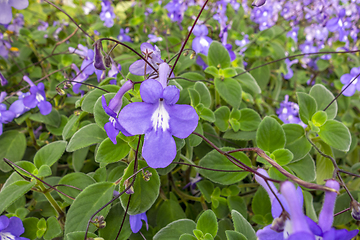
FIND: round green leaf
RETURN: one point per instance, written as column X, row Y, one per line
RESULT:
column 249, row 120
column 336, row 134
column 296, row 141
column 282, row 156
column 86, row 136
column 218, row 56
column 270, row 135
column 145, row 192
column 174, row 230
column 230, row 90
column 242, row 225
column 207, row 223
column 49, row 154
column 109, row 153
column 323, row 98
column 233, row 235
column 319, row 118
column 247, row 82
column 12, row 147
column 307, row 105
column 261, row 74
column 91, row 97
column 222, row 115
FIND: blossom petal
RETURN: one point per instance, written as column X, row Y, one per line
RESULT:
column 183, row 120
column 349, row 91
column 30, row 101
column 108, row 111
column 136, row 223
column 326, row 216
column 171, row 95
column 45, row 107
column 111, row 131
column 156, row 142
column 6, row 14
column 136, row 117
column 314, row 228
column 268, row 234
column 346, row 78
column 301, row 236
column 151, row 91
column 19, row 4
column 4, row 222
column 15, row 227
column 138, row 68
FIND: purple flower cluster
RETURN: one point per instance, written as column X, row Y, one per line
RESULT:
column 158, row 116
column 289, row 112
column 107, row 13
column 290, row 221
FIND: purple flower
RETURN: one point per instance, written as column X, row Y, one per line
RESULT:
column 78, row 79
column 159, row 118
column 11, row 228
column 113, row 127
column 136, row 223
column 337, row 25
column 230, row 51
column 123, row 37
column 37, row 97
column 6, row 11
column 154, row 38
column 89, row 6
column 3, row 80
column 289, row 112
column 153, row 56
column 242, row 43
column 4, row 47
column 201, row 42
column 115, row 69
column 6, row 116
column 290, row 72
column 347, row 78
column 17, row 23
column 43, row 26
column 107, row 13
column 18, row 106
column 176, row 10
column 293, row 34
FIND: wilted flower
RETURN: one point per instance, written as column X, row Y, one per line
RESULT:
column 6, row 11
column 152, row 55
column 136, row 222
column 159, row 118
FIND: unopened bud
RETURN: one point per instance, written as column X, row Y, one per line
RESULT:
column 193, row 54
column 67, row 85
column 99, row 221
column 108, row 61
column 278, row 224
column 186, row 53
column 116, row 194
column 60, row 91
column 147, row 175
column 258, row 3
column 98, row 58
column 355, row 210
column 131, row 189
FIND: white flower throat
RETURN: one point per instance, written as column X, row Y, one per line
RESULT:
column 6, row 235
column 160, row 118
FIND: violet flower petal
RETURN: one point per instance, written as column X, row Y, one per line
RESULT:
column 326, row 216
column 136, row 117
column 111, row 131
column 183, row 120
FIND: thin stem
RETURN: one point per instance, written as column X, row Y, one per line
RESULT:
column 51, row 200
column 205, row 168
column 188, row 36
column 31, row 133
column 343, row 211
column 123, row 220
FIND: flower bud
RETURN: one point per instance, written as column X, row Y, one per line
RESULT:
column 147, row 175
column 98, row 58
column 131, row 189
column 60, row 91
column 193, row 54
column 355, row 210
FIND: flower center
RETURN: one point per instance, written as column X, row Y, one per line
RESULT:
column 355, row 81
column 203, row 42
column 160, row 118
column 6, row 235
column 112, row 120
column 39, row 97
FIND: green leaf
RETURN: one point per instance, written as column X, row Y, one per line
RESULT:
column 222, row 115
column 27, row 166
column 261, row 204
column 221, row 209
column 198, row 234
column 270, row 135
column 247, row 82
column 310, row 211
column 86, row 204
column 49, row 154
column 12, row 147
column 194, row 97
column 41, row 225
column 72, row 125
column 323, row 97
column 79, row 180
column 233, row 235
column 230, row 90
column 218, row 56
column 101, row 118
column 170, row 211
column 296, row 140
column 307, row 105
column 79, row 235
column 206, row 188
column 227, row 72
column 12, row 192
column 196, row 140
column 109, row 153
column 249, row 120
column 187, row 236
column 57, row 131
column 242, row 136
column 174, row 230
column 91, row 97
column 52, row 119
column 319, row 118
column 44, row 171
column 53, row 229
column 212, row 71
column 261, row 74
column 207, row 115
column 86, row 136
column 216, row 160
column 336, row 134
column 204, row 93
column 282, row 156
column 237, row 203
column 324, row 166
column 207, row 223
column 304, row 168
column 145, row 192
column 30, row 225
column 78, row 158
column 113, row 226
column 243, row 226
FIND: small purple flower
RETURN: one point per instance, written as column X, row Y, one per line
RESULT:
column 6, row 11
column 347, row 78
column 11, row 228
column 17, row 23
column 289, row 112
column 176, row 10
column 18, row 107
column 153, row 56
column 89, row 6
column 123, row 37
column 113, row 127
column 201, row 63
column 290, row 72
column 136, row 223
column 242, row 43
column 159, row 118
column 107, row 13
column 230, row 51
column 3, row 80
column 43, row 26
column 4, row 47
column 6, row 116
column 37, row 97
column 293, row 34
column 337, row 25
column 201, row 42
column 115, row 69
column 153, row 38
